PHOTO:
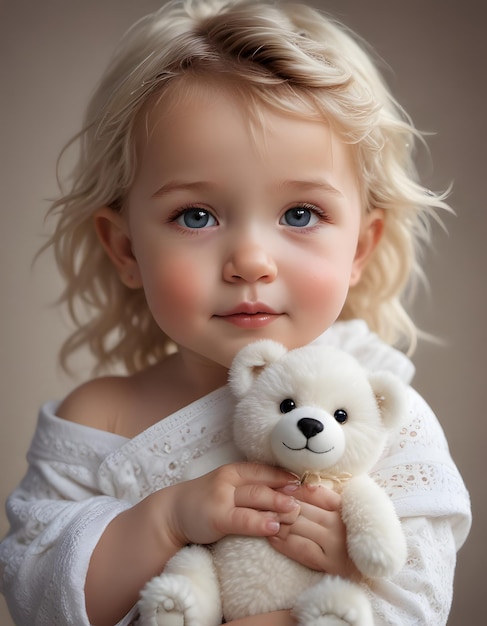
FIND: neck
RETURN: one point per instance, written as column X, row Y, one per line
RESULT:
column 197, row 375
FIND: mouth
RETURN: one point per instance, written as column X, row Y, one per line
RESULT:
column 249, row 315
column 306, row 447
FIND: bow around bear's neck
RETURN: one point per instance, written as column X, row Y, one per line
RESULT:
column 326, row 480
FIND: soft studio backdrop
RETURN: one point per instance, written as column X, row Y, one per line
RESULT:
column 51, row 54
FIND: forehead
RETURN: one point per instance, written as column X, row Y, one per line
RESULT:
column 188, row 95
column 198, row 111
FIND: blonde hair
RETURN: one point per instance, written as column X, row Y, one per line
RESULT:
column 286, row 56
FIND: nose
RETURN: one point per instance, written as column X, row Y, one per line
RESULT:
column 310, row 427
column 249, row 262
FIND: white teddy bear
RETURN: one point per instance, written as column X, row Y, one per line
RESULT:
column 316, row 412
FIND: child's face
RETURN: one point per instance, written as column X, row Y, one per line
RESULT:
column 237, row 236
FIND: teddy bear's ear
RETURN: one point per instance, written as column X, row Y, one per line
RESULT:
column 390, row 393
column 250, row 361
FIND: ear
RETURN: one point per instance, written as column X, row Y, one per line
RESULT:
column 370, row 235
column 390, row 393
column 112, row 230
column 250, row 361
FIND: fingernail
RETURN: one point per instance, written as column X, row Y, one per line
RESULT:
column 272, row 526
column 290, row 488
column 314, row 486
column 291, row 504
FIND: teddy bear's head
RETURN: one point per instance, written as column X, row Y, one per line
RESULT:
column 312, row 409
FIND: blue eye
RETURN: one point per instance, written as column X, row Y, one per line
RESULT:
column 300, row 217
column 196, row 218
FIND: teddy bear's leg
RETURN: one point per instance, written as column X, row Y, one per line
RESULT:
column 185, row 594
column 333, row 602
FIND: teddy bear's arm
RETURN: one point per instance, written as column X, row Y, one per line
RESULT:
column 375, row 538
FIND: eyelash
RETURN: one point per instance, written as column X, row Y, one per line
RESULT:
column 175, row 215
column 321, row 215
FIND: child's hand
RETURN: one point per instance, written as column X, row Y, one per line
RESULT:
column 240, row 498
column 318, row 538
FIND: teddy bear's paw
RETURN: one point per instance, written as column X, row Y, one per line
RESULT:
column 379, row 561
column 333, row 602
column 167, row 616
column 350, row 618
column 167, row 600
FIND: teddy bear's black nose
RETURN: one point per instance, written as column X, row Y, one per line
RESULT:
column 310, row 427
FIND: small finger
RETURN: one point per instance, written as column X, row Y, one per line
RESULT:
column 253, row 523
column 314, row 494
column 288, row 519
column 305, row 529
column 263, row 498
column 323, row 518
column 310, row 554
column 308, row 529
column 274, row 477
column 284, row 531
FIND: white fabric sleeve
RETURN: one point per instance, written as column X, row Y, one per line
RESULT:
column 46, row 558
column 56, row 516
column 430, row 497
column 421, row 593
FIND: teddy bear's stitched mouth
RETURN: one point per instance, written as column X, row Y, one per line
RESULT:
column 306, row 447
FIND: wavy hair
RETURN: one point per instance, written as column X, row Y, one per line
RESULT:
column 286, row 56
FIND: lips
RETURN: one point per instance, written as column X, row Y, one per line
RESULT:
column 249, row 308
column 249, row 315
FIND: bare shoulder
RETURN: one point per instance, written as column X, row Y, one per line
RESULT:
column 99, row 403
column 128, row 405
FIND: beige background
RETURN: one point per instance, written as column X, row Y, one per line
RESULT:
column 51, row 54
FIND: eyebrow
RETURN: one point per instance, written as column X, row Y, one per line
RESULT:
column 202, row 185
column 181, row 185
column 312, row 184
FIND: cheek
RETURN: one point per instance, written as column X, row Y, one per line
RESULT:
column 324, row 285
column 173, row 290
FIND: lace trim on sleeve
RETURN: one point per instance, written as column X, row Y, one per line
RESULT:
column 418, row 473
column 421, row 593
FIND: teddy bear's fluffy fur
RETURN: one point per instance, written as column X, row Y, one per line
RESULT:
column 316, row 412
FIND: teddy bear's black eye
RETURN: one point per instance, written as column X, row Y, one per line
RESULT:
column 341, row 416
column 287, row 405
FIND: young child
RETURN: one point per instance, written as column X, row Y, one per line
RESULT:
column 244, row 173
